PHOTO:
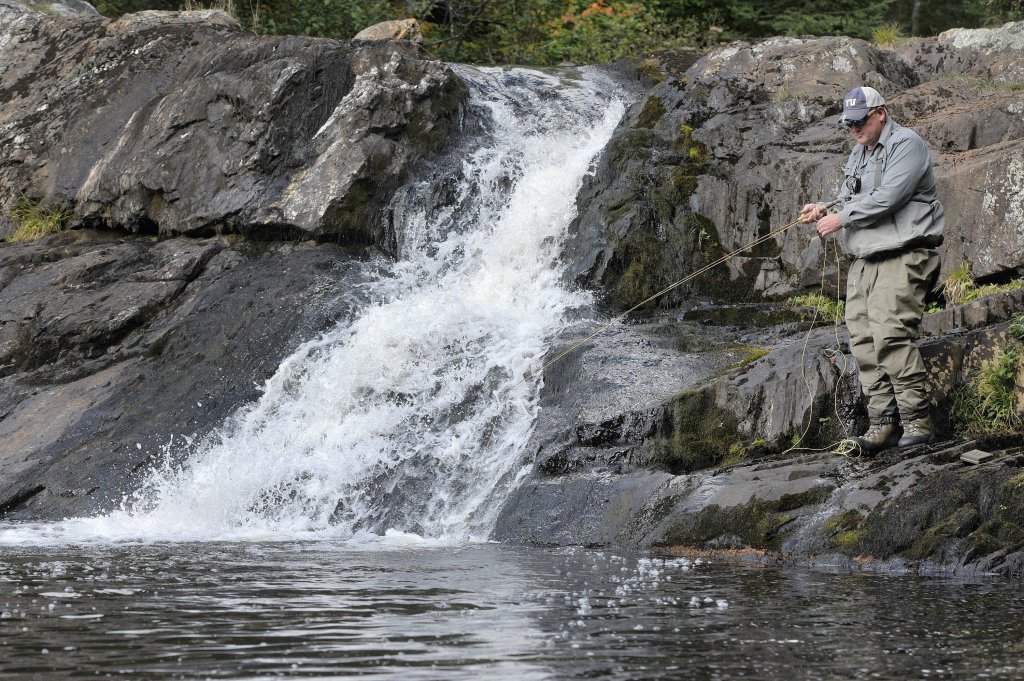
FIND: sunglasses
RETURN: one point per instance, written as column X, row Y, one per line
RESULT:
column 861, row 121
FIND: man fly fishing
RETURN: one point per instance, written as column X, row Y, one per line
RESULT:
column 890, row 221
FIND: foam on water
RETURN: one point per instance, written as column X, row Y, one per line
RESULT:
column 404, row 420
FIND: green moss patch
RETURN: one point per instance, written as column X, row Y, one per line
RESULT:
column 953, row 514
column 700, row 435
column 849, row 541
column 644, row 267
column 697, row 152
column 821, row 307
column 990, row 401
column 653, row 110
column 960, row 286
column 755, row 524
column 758, row 524
column 649, row 70
column 750, row 354
column 635, row 143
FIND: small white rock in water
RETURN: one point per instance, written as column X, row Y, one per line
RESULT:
column 694, row 602
column 722, row 604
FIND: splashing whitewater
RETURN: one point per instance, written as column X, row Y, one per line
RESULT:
column 402, row 421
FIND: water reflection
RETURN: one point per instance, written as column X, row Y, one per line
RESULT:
column 483, row 611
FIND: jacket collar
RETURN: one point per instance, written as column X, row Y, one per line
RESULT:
column 887, row 130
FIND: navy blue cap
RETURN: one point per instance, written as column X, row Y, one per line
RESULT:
column 858, row 102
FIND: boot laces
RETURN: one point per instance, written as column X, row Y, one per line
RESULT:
column 913, row 428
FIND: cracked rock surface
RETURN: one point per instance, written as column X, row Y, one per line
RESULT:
column 112, row 343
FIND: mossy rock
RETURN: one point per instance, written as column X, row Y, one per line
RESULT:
column 683, row 184
column 755, row 524
column 649, row 71
column 758, row 524
column 638, row 269
column 751, row 354
column 961, row 523
column 652, row 112
column 950, row 515
column 697, row 152
column 633, row 144
column 700, row 434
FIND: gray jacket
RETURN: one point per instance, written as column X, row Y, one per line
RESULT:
column 896, row 207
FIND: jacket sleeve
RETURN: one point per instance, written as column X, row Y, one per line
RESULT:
column 907, row 162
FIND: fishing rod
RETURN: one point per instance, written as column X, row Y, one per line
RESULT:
column 528, row 375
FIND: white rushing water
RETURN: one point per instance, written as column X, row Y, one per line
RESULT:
column 408, row 420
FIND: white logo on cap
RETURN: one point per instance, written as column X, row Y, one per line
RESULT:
column 851, row 102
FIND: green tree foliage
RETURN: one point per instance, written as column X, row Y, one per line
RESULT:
column 550, row 31
column 744, row 19
column 554, row 31
column 921, row 18
column 326, row 18
column 115, row 8
column 1005, row 10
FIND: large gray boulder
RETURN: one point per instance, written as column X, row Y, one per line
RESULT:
column 730, row 146
column 63, row 8
column 181, row 123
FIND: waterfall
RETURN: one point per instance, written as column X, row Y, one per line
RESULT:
column 409, row 419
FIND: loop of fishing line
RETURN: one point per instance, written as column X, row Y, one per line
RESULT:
column 528, row 375
column 845, row 446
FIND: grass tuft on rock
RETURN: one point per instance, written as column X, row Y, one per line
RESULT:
column 960, row 287
column 887, row 35
column 823, row 306
column 35, row 220
column 991, row 402
column 783, row 93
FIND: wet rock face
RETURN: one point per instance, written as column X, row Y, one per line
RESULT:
column 111, row 345
column 725, row 148
column 731, row 147
column 157, row 131
column 711, row 468
column 180, row 123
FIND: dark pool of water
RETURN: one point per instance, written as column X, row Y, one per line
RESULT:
column 323, row 610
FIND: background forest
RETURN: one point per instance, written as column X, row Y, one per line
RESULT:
column 553, row 31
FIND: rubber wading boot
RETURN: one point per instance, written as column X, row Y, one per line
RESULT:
column 916, row 432
column 878, row 437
